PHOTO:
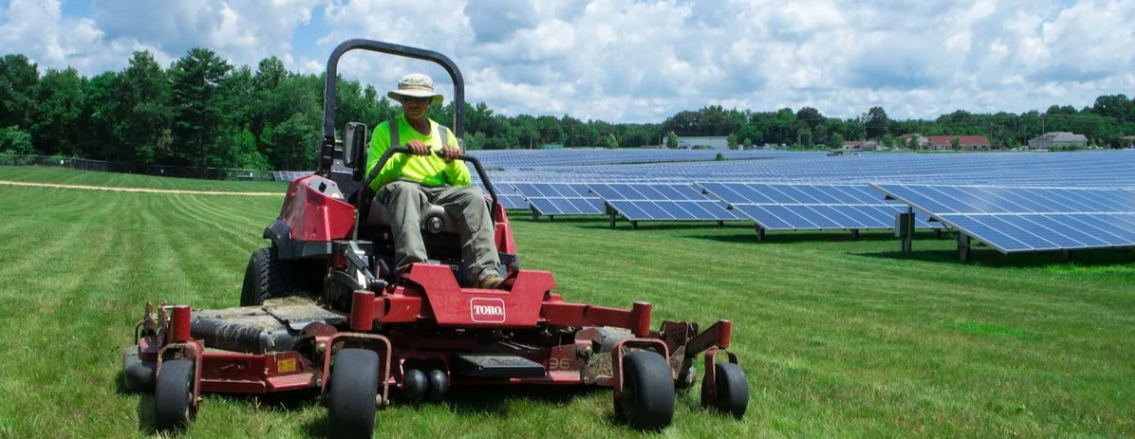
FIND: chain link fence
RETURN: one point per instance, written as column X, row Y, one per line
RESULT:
column 126, row 168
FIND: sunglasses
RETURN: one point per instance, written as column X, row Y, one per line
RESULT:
column 415, row 100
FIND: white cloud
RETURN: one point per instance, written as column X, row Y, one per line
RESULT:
column 38, row 29
column 244, row 31
column 642, row 60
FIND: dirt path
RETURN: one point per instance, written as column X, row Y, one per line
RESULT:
column 135, row 189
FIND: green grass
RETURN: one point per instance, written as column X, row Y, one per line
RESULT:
column 840, row 338
column 35, row 174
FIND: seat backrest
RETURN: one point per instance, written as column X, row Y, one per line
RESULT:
column 380, row 215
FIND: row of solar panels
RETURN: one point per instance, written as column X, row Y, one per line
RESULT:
column 770, row 206
column 1009, row 220
column 1014, row 220
column 1085, row 169
column 580, row 157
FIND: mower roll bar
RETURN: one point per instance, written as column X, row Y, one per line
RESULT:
column 328, row 147
column 404, row 150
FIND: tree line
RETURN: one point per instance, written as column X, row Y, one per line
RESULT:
column 204, row 111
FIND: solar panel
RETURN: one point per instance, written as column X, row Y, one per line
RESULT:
column 506, row 195
column 662, row 202
column 1015, row 220
column 560, row 199
column 290, row 176
column 824, row 217
column 811, row 207
column 513, row 201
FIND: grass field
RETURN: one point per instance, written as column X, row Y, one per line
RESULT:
column 839, row 338
column 34, row 174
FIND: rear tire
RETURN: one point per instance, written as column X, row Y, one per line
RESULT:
column 173, row 396
column 352, row 392
column 268, row 277
column 647, row 401
column 732, row 390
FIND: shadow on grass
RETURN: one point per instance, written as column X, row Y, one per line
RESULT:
column 603, row 223
column 145, row 404
column 647, row 227
column 475, row 401
column 986, row 257
column 812, row 237
column 284, row 401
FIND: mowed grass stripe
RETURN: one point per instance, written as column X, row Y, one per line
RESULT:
column 206, row 251
column 839, row 338
column 54, row 364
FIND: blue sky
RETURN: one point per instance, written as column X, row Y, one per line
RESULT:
column 638, row 60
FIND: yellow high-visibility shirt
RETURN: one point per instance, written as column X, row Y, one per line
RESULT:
column 429, row 170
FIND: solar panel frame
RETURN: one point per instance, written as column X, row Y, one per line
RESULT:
column 506, row 195
column 661, row 202
column 809, row 206
column 1019, row 224
column 560, row 199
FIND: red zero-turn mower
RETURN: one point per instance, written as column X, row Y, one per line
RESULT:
column 321, row 310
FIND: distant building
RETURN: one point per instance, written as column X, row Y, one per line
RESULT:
column 861, row 145
column 552, row 146
column 945, row 143
column 721, row 143
column 1058, row 140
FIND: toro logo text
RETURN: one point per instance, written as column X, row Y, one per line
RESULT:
column 485, row 310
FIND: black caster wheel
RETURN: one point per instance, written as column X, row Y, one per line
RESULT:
column 351, row 394
column 647, row 401
column 173, row 396
column 731, row 390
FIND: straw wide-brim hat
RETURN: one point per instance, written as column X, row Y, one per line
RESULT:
column 416, row 85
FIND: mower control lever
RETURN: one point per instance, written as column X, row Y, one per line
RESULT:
column 352, row 254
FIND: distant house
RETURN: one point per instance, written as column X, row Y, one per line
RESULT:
column 691, row 142
column 923, row 142
column 861, row 145
column 1058, row 140
column 945, row 143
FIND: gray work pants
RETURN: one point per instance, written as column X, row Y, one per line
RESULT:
column 466, row 204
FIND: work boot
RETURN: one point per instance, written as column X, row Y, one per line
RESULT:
column 491, row 282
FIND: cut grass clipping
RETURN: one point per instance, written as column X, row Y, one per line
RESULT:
column 839, row 337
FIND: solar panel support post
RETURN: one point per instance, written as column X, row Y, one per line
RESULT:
column 855, row 234
column 720, row 223
column 611, row 215
column 760, row 233
column 963, row 247
column 634, row 225
column 904, row 229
